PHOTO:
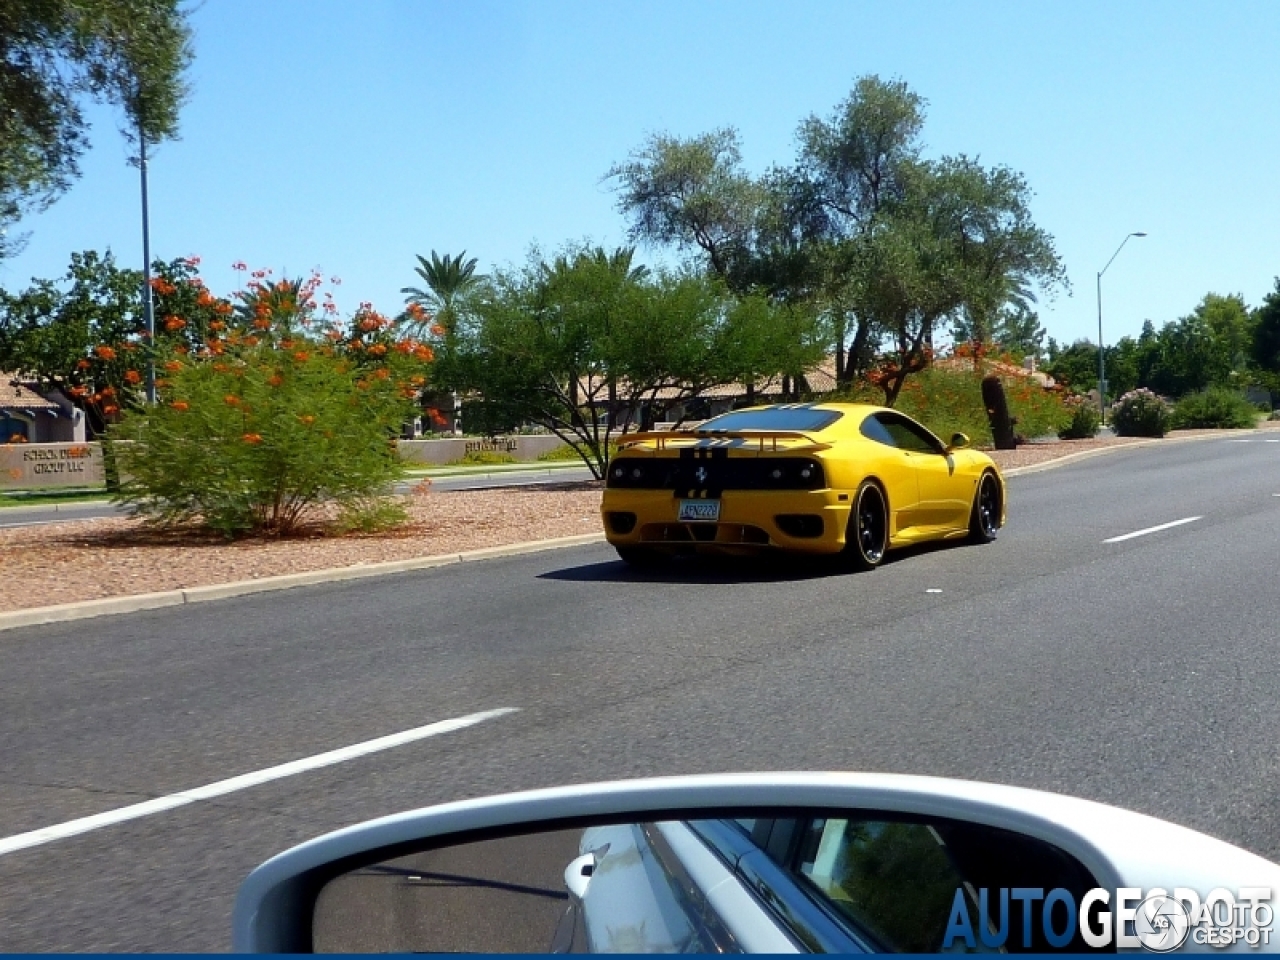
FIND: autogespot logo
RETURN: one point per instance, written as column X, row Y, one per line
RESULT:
column 1161, row 924
column 1157, row 920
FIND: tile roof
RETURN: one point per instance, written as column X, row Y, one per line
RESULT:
column 16, row 396
column 821, row 379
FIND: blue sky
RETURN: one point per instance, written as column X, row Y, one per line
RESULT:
column 351, row 136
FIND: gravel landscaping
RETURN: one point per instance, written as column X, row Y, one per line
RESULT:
column 90, row 559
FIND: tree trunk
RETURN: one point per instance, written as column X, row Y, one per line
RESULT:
column 856, row 349
column 998, row 413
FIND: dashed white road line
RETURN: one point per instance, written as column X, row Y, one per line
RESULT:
column 71, row 828
column 1155, row 529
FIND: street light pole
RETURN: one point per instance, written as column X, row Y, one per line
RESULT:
column 1102, row 363
column 148, row 309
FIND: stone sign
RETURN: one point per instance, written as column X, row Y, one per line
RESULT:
column 492, row 445
column 34, row 465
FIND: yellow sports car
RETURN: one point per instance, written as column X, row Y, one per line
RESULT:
column 807, row 477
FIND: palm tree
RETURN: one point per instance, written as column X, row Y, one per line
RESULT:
column 450, row 281
column 1001, row 297
column 618, row 262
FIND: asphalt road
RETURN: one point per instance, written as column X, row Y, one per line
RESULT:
column 1140, row 672
column 34, row 516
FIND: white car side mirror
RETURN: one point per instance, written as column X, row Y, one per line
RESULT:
column 759, row 863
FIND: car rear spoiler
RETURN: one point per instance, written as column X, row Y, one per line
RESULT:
column 660, row 438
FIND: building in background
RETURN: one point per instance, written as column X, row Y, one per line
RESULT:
column 27, row 416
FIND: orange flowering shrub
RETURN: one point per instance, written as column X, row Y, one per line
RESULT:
column 273, row 409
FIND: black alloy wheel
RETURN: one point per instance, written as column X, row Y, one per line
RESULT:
column 867, row 538
column 984, row 520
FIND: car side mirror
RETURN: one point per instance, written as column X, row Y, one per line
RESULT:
column 684, row 864
column 958, row 442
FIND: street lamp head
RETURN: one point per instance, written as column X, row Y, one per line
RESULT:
column 1137, row 234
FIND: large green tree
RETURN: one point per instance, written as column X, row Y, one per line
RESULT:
column 57, row 54
column 961, row 239
column 584, row 341
column 1208, row 347
column 1214, row 345
column 882, row 244
column 1265, row 348
column 1075, row 365
column 693, row 194
column 1016, row 331
column 50, row 331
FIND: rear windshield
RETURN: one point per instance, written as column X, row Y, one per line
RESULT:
column 772, row 418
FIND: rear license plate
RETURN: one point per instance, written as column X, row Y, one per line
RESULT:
column 699, row 511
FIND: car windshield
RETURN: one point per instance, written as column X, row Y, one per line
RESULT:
column 772, row 418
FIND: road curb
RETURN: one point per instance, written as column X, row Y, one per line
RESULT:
column 52, row 508
column 85, row 609
column 1099, row 451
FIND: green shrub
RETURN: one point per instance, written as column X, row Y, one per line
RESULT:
column 949, row 401
column 371, row 515
column 268, row 420
column 1040, row 412
column 474, row 457
column 945, row 401
column 1216, row 407
column 566, row 452
column 1140, row 413
column 562, row 452
column 1085, row 420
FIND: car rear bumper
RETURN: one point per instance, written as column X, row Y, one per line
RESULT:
column 804, row 521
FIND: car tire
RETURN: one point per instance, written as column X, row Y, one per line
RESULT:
column 866, row 539
column 643, row 558
column 984, row 517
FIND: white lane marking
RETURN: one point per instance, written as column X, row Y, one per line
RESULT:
column 1242, row 441
column 933, row 590
column 1271, row 441
column 1156, row 529
column 71, row 828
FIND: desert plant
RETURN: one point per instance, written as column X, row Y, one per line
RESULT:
column 480, row 457
column 268, row 418
column 1140, row 413
column 562, row 452
column 1085, row 420
column 1216, row 407
column 371, row 515
column 566, row 452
